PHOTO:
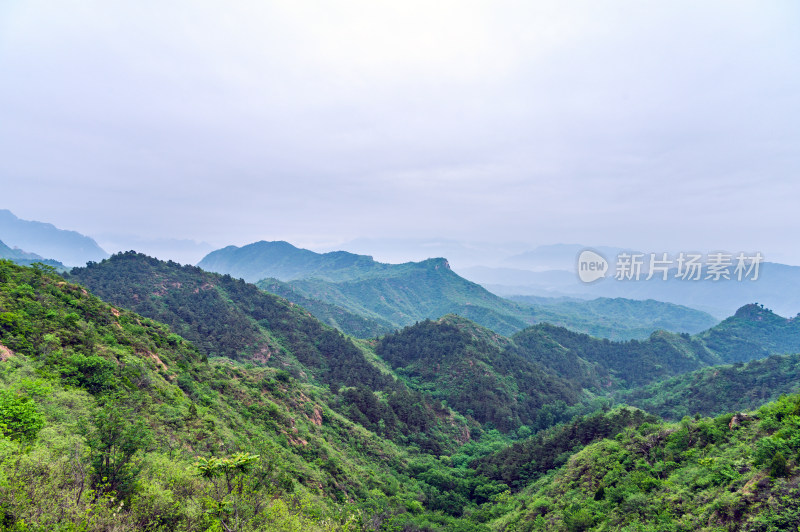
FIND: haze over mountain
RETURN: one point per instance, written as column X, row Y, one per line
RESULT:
column 46, row 240
column 401, row 294
column 182, row 250
column 428, row 146
column 551, row 271
column 26, row 259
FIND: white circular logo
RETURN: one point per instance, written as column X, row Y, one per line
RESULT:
column 591, row 266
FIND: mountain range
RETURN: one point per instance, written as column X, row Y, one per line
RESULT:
column 395, row 295
column 550, row 271
column 46, row 240
column 154, row 395
column 25, row 258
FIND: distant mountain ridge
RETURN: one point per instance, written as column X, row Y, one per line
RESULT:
column 339, row 286
column 23, row 258
column 398, row 294
column 285, row 262
column 46, row 240
column 505, row 381
column 550, row 271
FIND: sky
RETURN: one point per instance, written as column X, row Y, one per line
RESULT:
column 632, row 123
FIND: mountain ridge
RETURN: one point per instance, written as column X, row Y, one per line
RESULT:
column 45, row 239
column 401, row 294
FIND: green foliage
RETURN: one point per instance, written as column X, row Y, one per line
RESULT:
column 699, row 474
column 525, row 461
column 752, row 333
column 452, row 360
column 601, row 364
column 777, row 466
column 349, row 322
column 399, row 295
column 19, row 416
column 618, row 318
column 121, row 423
column 229, row 493
column 113, row 440
column 718, row 389
column 128, row 407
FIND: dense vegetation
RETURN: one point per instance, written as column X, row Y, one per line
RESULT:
column 523, row 462
column 753, row 332
column 602, row 364
column 726, row 473
column 112, row 420
column 349, row 322
column 457, row 362
column 402, row 294
column 617, row 318
column 339, row 287
column 228, row 317
column 719, row 389
column 109, row 417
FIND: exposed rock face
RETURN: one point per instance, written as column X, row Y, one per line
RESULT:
column 5, row 353
column 737, row 420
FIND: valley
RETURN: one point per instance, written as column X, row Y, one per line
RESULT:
column 443, row 424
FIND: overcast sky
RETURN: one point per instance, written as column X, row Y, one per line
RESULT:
column 646, row 124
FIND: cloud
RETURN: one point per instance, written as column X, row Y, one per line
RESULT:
column 600, row 122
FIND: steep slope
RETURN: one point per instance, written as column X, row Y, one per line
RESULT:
column 417, row 291
column 464, row 364
column 726, row 473
column 527, row 460
column 350, row 323
column 228, row 317
column 600, row 364
column 394, row 294
column 68, row 247
column 753, row 332
column 618, row 318
column 110, row 420
column 338, row 287
column 719, row 389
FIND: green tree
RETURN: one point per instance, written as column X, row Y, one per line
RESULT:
column 19, row 417
column 114, row 440
column 777, row 466
column 229, row 477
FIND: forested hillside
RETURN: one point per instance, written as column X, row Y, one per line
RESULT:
column 339, row 287
column 725, row 473
column 719, row 389
column 402, row 294
column 601, row 364
column 110, row 419
column 617, row 318
column 456, row 361
column 231, row 318
column 753, row 332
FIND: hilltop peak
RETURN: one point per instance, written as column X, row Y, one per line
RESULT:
column 754, row 311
